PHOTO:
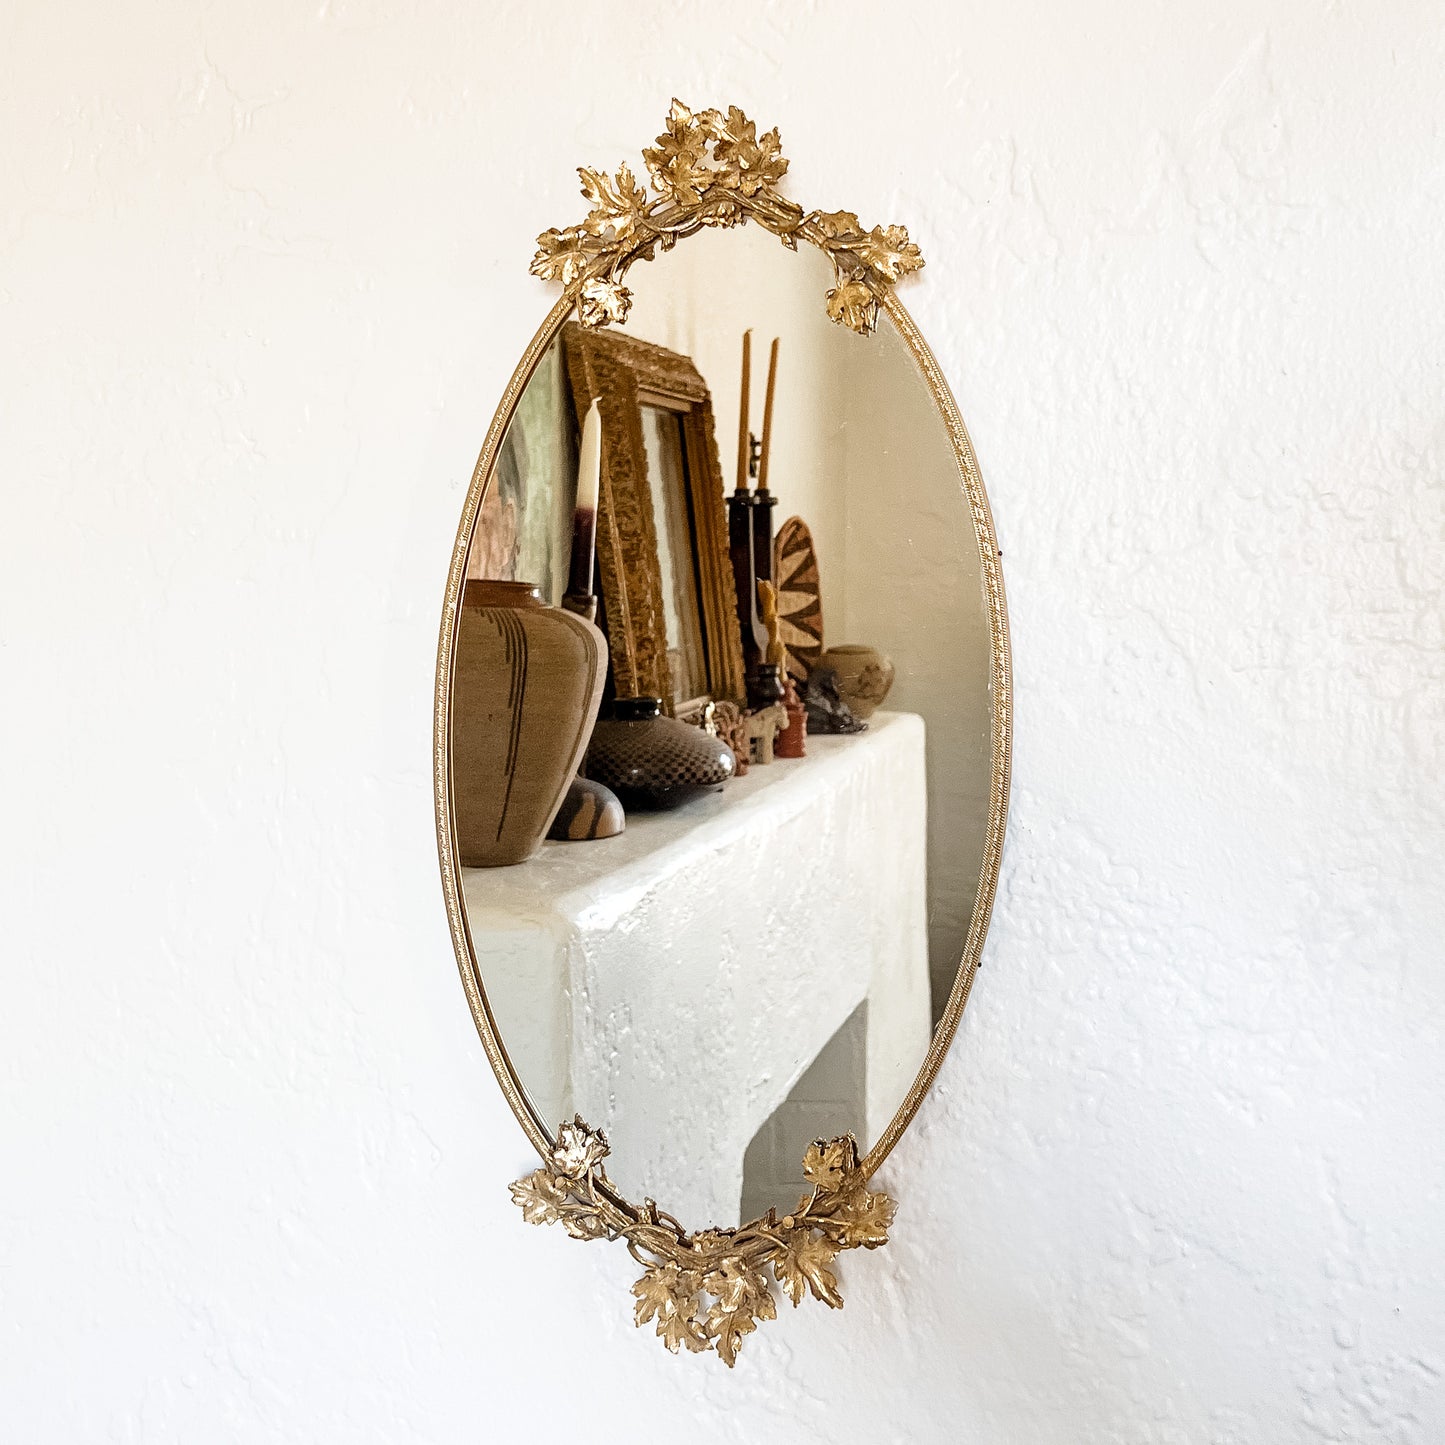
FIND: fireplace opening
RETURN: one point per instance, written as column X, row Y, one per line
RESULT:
column 829, row 1099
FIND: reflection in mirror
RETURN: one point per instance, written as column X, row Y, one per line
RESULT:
column 759, row 955
column 681, row 615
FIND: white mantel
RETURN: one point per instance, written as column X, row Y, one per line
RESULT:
column 673, row 983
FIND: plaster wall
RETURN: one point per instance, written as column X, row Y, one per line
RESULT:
column 915, row 590
column 698, row 300
column 262, row 278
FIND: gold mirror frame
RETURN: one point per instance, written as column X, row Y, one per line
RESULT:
column 708, row 1289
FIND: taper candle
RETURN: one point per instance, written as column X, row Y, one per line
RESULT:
column 584, row 519
column 768, row 417
column 743, row 412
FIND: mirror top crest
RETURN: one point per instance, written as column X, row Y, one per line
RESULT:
column 711, row 169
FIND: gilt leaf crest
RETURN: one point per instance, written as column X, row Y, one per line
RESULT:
column 711, row 168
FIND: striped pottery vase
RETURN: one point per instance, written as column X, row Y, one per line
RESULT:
column 527, row 687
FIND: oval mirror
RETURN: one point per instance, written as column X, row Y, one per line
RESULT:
column 722, row 731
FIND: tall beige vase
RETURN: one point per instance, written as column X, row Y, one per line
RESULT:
column 528, row 683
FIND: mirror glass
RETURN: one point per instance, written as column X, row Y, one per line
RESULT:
column 759, row 957
column 662, row 440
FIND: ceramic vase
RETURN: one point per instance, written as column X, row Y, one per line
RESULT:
column 865, row 676
column 528, row 683
column 655, row 762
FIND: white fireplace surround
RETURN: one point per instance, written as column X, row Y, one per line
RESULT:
column 674, row 983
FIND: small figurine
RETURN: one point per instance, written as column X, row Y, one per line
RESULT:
column 792, row 741
column 765, row 682
column 726, row 720
column 761, row 728
column 827, row 712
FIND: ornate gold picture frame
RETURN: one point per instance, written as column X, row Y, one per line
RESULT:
column 705, row 1290
column 625, row 375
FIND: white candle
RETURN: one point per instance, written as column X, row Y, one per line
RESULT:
column 589, row 462
column 589, row 488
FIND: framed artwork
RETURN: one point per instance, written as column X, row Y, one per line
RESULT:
column 664, row 574
column 524, row 526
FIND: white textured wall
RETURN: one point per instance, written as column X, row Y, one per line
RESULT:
column 698, row 300
column 261, row 281
column 915, row 590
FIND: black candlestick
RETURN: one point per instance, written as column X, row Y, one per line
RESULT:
column 763, row 503
column 584, row 549
column 765, row 686
column 740, row 550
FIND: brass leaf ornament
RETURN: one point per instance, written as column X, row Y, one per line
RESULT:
column 710, row 1290
column 710, row 168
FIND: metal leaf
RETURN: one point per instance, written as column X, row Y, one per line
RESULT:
column 539, row 1196
column 830, row 1163
column 802, row 1265
column 578, row 1149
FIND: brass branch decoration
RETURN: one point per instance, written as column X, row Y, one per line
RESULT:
column 712, row 169
column 707, row 1291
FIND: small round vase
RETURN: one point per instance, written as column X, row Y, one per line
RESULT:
column 655, row 762
column 528, row 683
column 865, row 676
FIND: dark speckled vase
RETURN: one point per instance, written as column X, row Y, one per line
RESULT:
column 655, row 762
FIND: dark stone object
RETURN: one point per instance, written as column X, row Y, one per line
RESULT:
column 827, row 712
column 589, row 811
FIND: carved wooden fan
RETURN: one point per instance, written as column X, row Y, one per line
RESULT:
column 800, row 606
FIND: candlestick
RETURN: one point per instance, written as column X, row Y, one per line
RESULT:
column 584, row 519
column 768, row 416
column 740, row 550
column 743, row 449
column 763, row 503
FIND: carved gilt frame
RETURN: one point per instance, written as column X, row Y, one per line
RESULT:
column 705, row 1290
column 622, row 372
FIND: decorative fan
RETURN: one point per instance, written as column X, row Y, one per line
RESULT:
column 800, row 607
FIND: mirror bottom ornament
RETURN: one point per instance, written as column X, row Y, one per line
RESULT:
column 709, row 1290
